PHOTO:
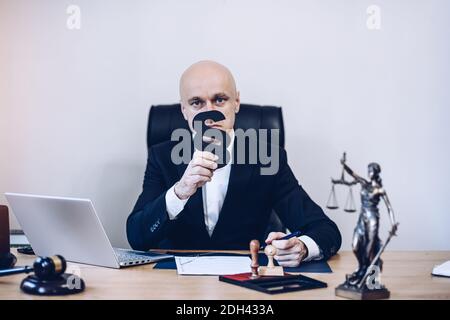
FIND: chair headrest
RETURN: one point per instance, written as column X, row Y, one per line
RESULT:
column 164, row 119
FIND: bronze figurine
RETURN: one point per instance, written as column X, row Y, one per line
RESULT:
column 366, row 243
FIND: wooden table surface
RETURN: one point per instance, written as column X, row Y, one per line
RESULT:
column 407, row 274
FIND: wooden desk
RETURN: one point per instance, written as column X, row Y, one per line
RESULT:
column 406, row 275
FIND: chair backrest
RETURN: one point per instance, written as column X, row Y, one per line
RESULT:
column 164, row 119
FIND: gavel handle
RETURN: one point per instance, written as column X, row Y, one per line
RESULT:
column 15, row 271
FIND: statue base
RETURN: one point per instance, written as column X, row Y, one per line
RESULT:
column 364, row 293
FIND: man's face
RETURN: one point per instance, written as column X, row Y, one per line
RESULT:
column 209, row 86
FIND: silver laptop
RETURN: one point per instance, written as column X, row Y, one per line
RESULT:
column 70, row 227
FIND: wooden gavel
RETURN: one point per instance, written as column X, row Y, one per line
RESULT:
column 45, row 268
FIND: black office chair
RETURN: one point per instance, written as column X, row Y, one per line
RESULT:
column 164, row 119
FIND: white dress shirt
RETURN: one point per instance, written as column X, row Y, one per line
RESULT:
column 213, row 194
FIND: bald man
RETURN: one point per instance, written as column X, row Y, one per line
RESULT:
column 200, row 206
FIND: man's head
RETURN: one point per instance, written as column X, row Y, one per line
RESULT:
column 208, row 85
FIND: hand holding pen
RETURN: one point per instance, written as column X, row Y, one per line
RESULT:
column 290, row 249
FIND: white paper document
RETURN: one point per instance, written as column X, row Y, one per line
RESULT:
column 442, row 270
column 217, row 265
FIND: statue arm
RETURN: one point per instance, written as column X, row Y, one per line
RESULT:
column 353, row 174
column 390, row 210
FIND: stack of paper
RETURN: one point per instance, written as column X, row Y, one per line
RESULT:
column 217, row 265
column 442, row 270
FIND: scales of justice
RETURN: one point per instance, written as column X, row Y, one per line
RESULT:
column 364, row 283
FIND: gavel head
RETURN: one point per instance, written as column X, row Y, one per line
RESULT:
column 47, row 268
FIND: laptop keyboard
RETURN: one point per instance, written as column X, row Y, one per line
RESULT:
column 130, row 257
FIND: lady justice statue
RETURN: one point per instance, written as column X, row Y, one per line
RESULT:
column 366, row 245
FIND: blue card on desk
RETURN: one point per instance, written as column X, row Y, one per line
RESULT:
column 310, row 266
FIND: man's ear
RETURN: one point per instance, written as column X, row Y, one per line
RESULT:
column 183, row 111
column 238, row 102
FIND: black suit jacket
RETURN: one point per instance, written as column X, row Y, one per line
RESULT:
column 245, row 212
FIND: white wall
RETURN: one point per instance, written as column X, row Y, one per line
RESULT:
column 74, row 103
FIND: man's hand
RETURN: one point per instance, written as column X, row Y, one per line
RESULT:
column 198, row 172
column 289, row 252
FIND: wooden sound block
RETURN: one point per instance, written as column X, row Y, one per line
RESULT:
column 271, row 271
